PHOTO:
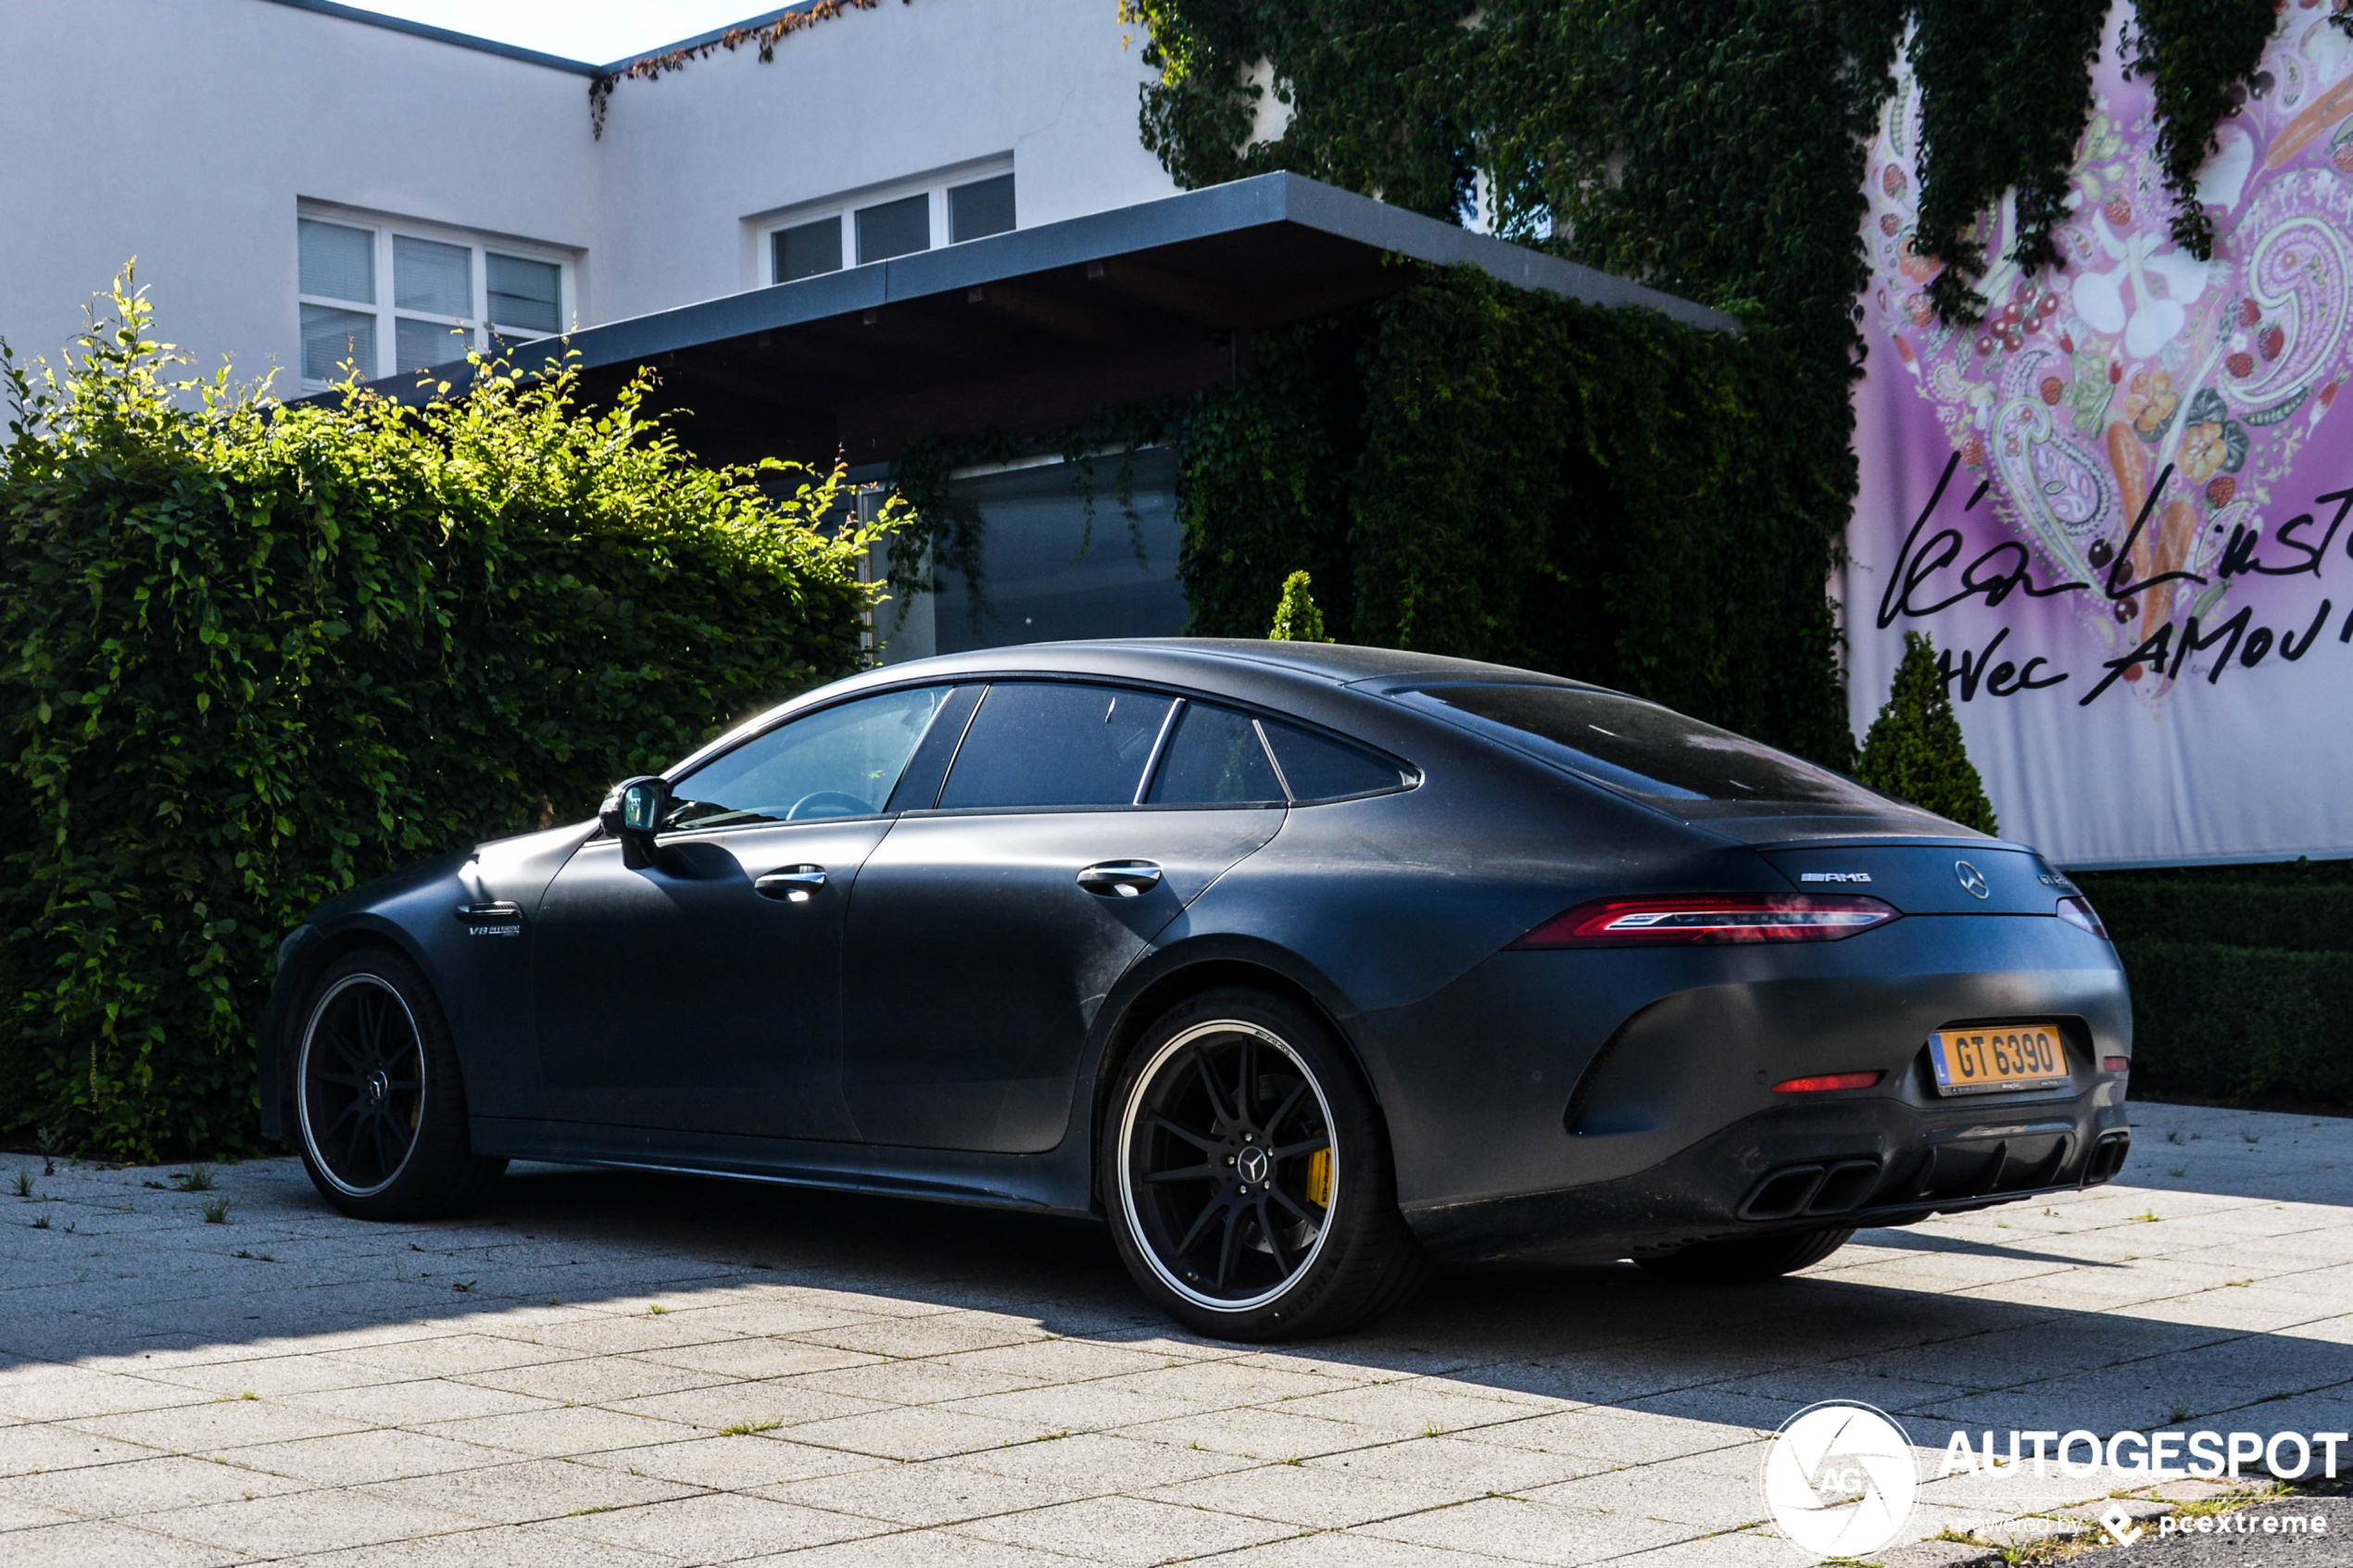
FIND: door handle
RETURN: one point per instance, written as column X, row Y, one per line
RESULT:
column 792, row 884
column 1120, row 879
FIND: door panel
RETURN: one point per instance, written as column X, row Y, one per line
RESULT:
column 679, row 995
column 974, row 960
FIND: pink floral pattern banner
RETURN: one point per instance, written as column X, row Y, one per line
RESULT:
column 2123, row 489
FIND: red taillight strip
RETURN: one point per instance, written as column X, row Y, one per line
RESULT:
column 1825, row 1083
column 1686, row 919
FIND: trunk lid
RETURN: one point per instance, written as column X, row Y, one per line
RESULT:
column 1957, row 877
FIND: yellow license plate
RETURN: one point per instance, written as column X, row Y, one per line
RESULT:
column 1990, row 1061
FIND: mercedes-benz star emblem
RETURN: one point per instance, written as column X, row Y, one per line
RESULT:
column 379, row 1085
column 1973, row 880
column 1251, row 1165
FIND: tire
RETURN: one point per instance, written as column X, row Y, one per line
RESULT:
column 376, row 1103
column 1734, row 1262
column 1233, row 1116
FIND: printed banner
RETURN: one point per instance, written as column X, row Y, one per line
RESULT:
column 2120, row 505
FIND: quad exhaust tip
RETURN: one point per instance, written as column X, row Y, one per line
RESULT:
column 1827, row 1187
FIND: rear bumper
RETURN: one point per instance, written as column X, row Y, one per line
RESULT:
column 1863, row 1162
column 1589, row 1103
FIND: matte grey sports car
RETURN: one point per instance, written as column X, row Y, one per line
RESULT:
column 1299, row 964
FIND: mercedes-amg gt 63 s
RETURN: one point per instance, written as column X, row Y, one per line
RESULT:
column 1300, row 965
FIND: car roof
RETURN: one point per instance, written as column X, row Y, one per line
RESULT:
column 1242, row 663
column 1331, row 663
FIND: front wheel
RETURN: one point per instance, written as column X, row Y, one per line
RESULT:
column 379, row 1108
column 1248, row 1174
column 1732, row 1262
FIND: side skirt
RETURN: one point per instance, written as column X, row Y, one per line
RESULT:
column 1052, row 1183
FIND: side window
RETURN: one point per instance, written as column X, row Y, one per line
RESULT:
column 1317, row 769
column 1215, row 759
column 1053, row 744
column 837, row 762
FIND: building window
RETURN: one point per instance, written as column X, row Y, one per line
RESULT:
column 450, row 293
column 982, row 208
column 878, row 224
column 897, row 228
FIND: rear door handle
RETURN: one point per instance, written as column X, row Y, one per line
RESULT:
column 794, row 884
column 1120, row 879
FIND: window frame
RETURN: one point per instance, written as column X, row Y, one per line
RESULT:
column 1409, row 776
column 385, row 230
column 843, row 207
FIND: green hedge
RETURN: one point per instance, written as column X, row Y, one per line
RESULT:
column 1470, row 468
column 2242, row 979
column 251, row 655
column 2213, row 1021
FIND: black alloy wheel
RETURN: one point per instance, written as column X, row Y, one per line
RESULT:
column 379, row 1110
column 1252, row 1191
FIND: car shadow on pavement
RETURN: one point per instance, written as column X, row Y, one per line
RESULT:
column 1944, row 1327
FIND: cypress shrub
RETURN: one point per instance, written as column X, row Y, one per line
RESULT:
column 251, row 655
column 1296, row 618
column 1914, row 750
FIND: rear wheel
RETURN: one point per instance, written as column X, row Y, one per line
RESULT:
column 1764, row 1257
column 1247, row 1175
column 380, row 1108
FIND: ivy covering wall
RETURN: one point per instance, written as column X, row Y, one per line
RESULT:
column 1476, row 471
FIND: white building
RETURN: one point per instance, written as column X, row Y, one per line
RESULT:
column 272, row 160
column 916, row 218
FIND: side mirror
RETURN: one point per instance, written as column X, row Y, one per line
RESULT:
column 632, row 812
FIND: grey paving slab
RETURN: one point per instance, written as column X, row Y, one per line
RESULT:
column 727, row 1374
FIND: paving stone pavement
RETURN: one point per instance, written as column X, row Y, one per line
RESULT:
column 618, row 1369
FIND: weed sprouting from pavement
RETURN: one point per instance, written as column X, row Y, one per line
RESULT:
column 215, row 1211
column 2181, row 1412
column 23, row 1182
column 2179, row 1171
column 42, row 1224
column 745, row 1428
column 2177, row 1135
column 198, row 1177
column 657, row 1310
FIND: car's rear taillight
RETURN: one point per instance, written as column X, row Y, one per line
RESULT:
column 1684, row 920
column 1825, row 1083
column 2115, row 1064
column 2079, row 911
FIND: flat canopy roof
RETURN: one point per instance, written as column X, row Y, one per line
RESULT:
column 1031, row 332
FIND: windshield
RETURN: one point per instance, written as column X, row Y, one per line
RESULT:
column 1638, row 746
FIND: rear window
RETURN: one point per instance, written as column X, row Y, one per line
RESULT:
column 1215, row 759
column 1051, row 744
column 1638, row 746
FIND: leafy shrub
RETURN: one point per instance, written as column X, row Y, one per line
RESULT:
column 251, row 655
column 1296, row 617
column 1914, row 750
